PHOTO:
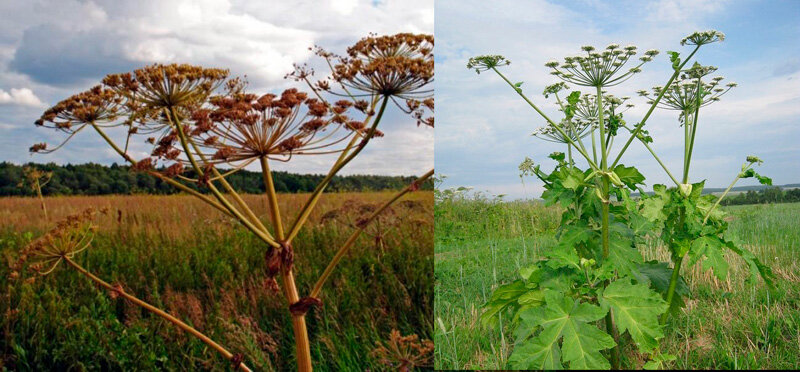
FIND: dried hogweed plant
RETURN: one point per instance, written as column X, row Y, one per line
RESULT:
column 74, row 235
column 596, row 275
column 353, row 213
column 404, row 353
column 204, row 126
column 34, row 179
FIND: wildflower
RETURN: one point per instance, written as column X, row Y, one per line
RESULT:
column 703, row 37
column 96, row 106
column 554, row 88
column 487, row 62
column 683, row 94
column 599, row 69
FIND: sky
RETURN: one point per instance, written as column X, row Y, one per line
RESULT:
column 484, row 127
column 51, row 49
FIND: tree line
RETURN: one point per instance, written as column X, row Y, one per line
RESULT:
column 764, row 196
column 97, row 179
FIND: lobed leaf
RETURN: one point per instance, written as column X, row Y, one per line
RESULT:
column 635, row 308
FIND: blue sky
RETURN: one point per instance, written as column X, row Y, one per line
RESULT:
column 51, row 49
column 484, row 127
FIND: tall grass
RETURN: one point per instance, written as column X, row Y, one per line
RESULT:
column 731, row 324
column 177, row 253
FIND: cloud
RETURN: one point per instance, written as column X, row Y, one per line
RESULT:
column 484, row 128
column 59, row 47
column 258, row 39
column 22, row 96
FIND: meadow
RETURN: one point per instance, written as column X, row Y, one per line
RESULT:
column 481, row 243
column 185, row 257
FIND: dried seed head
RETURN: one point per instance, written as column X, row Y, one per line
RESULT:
column 399, row 66
column 70, row 236
column 238, row 128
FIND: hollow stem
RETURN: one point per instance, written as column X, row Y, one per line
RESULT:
column 227, row 354
column 692, row 134
column 673, row 283
column 646, row 145
column 272, row 198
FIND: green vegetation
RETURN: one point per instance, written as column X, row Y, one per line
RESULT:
column 483, row 243
column 597, row 270
column 214, row 279
column 96, row 179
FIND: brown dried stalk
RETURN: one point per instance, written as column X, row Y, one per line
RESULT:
column 35, row 180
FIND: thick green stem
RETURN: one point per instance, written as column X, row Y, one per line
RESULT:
column 569, row 153
column 691, row 135
column 673, row 283
column 603, row 161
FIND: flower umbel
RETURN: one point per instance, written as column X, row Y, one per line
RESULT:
column 703, row 37
column 487, row 62
column 599, row 68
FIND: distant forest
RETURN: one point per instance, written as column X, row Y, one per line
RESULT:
column 764, row 196
column 96, row 179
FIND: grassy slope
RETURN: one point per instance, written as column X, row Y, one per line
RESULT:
column 179, row 254
column 728, row 325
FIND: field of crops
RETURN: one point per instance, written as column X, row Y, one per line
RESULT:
column 481, row 244
column 182, row 255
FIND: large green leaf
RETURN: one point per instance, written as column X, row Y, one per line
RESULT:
column 504, row 297
column 636, row 309
column 710, row 247
column 629, row 176
column 756, row 267
column 658, row 274
column 623, row 258
column 561, row 318
column 564, row 254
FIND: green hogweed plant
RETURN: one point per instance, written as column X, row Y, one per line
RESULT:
column 596, row 275
column 197, row 119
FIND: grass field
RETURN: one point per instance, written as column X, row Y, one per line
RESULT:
column 481, row 244
column 185, row 257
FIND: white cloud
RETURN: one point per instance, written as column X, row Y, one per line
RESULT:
column 484, row 128
column 46, row 43
column 22, row 96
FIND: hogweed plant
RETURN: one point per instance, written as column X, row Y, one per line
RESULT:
column 596, row 275
column 197, row 119
column 74, row 235
column 34, row 179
